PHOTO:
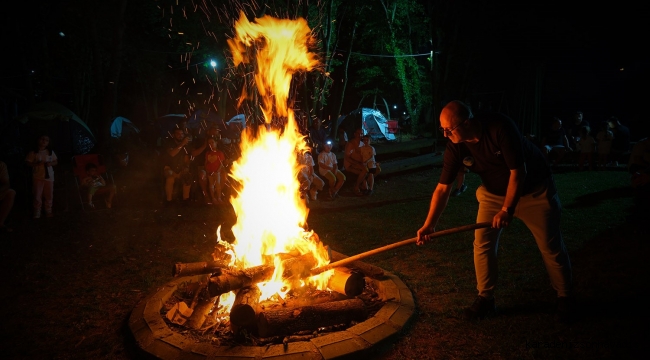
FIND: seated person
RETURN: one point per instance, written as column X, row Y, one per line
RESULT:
column 555, row 144
column 94, row 183
column 309, row 181
column 368, row 157
column 215, row 171
column 353, row 162
column 329, row 169
column 200, row 151
column 176, row 165
column 7, row 196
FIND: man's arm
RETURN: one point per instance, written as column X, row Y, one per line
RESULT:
column 515, row 187
column 175, row 150
column 438, row 204
column 196, row 152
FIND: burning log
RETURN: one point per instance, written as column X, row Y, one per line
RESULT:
column 234, row 280
column 202, row 309
column 243, row 314
column 289, row 321
column 294, row 269
column 198, row 268
column 347, row 282
column 312, row 299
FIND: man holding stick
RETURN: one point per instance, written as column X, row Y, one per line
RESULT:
column 516, row 181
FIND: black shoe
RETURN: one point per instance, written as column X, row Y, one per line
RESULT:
column 565, row 309
column 168, row 203
column 481, row 307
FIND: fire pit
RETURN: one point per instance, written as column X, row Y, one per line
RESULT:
column 155, row 337
column 272, row 255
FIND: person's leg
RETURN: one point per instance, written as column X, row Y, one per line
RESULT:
column 170, row 178
column 541, row 212
column 317, row 185
column 486, row 243
column 371, row 181
column 203, row 180
column 37, row 191
column 331, row 182
column 6, row 203
column 48, row 194
column 340, row 180
column 590, row 160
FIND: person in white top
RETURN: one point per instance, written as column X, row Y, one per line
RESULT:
column 309, row 181
column 41, row 160
column 328, row 168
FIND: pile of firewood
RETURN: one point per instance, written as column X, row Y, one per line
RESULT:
column 302, row 314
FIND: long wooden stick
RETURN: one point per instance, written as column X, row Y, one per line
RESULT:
column 346, row 261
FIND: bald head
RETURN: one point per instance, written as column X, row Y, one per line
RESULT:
column 455, row 112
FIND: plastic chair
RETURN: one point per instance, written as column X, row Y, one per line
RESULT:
column 394, row 128
column 79, row 163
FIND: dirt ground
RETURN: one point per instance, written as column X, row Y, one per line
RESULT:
column 72, row 280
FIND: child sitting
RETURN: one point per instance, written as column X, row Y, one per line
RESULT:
column 214, row 159
column 368, row 157
column 95, row 184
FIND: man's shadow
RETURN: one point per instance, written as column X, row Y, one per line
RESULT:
column 596, row 198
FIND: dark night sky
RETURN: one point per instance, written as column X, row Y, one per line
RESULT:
column 582, row 49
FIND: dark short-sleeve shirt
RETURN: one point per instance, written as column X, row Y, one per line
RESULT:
column 176, row 163
column 500, row 148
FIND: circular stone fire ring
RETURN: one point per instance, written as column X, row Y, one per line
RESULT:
column 153, row 336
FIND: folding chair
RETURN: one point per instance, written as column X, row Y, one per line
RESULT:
column 79, row 163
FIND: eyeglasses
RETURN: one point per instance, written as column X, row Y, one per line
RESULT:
column 449, row 131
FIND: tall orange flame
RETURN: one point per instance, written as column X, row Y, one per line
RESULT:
column 270, row 213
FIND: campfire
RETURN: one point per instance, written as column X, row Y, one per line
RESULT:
column 271, row 281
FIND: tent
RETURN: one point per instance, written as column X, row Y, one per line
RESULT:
column 167, row 123
column 123, row 125
column 68, row 133
column 203, row 119
column 372, row 121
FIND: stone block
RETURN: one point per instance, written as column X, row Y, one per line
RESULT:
column 339, row 344
column 152, row 308
column 162, row 350
column 401, row 316
column 159, row 328
column 387, row 310
column 406, row 297
column 300, row 350
column 374, row 330
column 389, row 290
column 238, row 353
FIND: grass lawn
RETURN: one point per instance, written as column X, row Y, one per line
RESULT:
column 71, row 281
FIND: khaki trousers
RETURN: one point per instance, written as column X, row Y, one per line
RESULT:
column 540, row 211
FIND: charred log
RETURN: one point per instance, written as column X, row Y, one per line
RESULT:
column 198, row 268
column 293, row 270
column 243, row 314
column 289, row 321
